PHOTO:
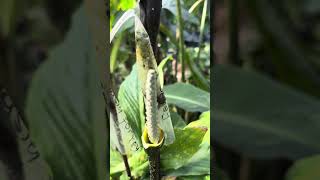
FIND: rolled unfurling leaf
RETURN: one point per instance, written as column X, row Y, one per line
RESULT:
column 151, row 106
column 146, row 61
column 144, row 53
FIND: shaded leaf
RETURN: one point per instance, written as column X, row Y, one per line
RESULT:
column 204, row 121
column 305, row 169
column 187, row 143
column 188, row 97
column 198, row 164
column 125, row 21
column 177, row 120
column 262, row 118
column 129, row 98
column 65, row 105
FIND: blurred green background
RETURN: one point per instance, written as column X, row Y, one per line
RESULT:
column 266, row 87
column 266, row 75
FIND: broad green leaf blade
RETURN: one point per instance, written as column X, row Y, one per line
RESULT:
column 99, row 26
column 177, row 120
column 122, row 135
column 187, row 143
column 204, row 121
column 65, row 105
column 138, row 164
column 126, row 4
column 129, row 99
column 125, row 21
column 262, row 118
column 188, row 97
column 198, row 164
column 305, row 169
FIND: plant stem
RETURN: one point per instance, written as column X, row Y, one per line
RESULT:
column 121, row 148
column 126, row 164
column 150, row 17
column 181, row 40
column 150, row 11
column 203, row 20
column 233, row 33
column 203, row 82
column 154, row 162
column 244, row 171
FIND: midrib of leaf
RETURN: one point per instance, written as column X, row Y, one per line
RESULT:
column 187, row 100
column 263, row 127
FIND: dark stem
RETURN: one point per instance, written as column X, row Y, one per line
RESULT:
column 150, row 11
column 114, row 115
column 154, row 162
column 244, row 171
column 126, row 164
column 233, row 33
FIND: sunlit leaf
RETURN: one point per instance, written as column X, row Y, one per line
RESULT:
column 187, row 143
column 305, row 169
column 125, row 21
column 188, row 97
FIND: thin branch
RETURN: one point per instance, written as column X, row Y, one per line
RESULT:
column 181, row 40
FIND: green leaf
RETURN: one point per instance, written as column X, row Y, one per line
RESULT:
column 7, row 16
column 125, row 21
column 115, row 158
column 204, row 121
column 129, row 98
column 305, row 169
column 171, row 6
column 138, row 165
column 259, row 117
column 160, row 69
column 198, row 164
column 188, row 97
column 65, row 108
column 194, row 6
column 126, row 4
column 193, row 178
column 187, row 143
column 177, row 121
